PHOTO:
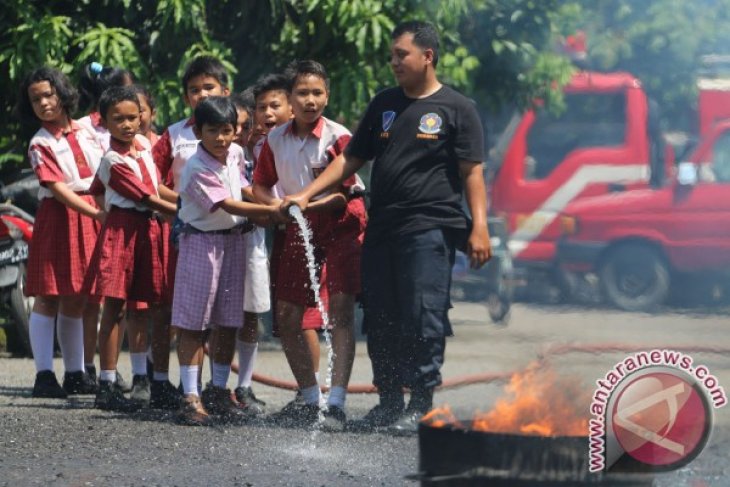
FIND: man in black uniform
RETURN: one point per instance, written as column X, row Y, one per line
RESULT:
column 427, row 144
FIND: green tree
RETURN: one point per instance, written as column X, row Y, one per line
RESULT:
column 661, row 42
column 497, row 51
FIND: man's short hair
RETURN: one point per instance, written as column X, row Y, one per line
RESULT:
column 425, row 36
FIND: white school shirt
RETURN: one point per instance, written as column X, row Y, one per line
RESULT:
column 92, row 121
column 182, row 145
column 144, row 151
column 52, row 158
column 205, row 181
column 292, row 163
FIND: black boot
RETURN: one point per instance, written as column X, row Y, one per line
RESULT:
column 421, row 402
column 387, row 412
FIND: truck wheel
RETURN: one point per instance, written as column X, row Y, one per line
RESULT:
column 635, row 278
column 20, row 307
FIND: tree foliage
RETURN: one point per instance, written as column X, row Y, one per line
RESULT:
column 661, row 42
column 501, row 52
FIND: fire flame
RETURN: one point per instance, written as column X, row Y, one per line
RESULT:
column 537, row 402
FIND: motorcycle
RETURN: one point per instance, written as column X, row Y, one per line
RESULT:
column 16, row 231
column 493, row 285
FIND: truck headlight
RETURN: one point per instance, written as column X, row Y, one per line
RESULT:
column 568, row 225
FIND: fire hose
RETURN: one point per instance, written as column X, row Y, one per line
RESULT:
column 488, row 377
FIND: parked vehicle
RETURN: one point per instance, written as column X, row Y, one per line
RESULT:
column 16, row 230
column 643, row 243
column 606, row 140
column 493, row 284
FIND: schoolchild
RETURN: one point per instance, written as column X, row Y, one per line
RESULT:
column 273, row 109
column 212, row 249
column 95, row 79
column 138, row 313
column 293, row 155
column 64, row 156
column 130, row 257
column 204, row 76
column 147, row 114
column 257, row 298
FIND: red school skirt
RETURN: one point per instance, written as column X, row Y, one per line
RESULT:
column 61, row 249
column 131, row 258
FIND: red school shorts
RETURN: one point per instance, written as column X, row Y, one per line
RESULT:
column 130, row 259
column 337, row 239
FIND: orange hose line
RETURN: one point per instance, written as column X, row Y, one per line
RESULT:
column 487, row 377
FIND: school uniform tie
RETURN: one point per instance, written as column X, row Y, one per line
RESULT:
column 146, row 178
column 81, row 164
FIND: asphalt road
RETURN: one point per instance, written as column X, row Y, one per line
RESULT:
column 68, row 443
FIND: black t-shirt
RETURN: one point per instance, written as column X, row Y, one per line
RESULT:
column 416, row 145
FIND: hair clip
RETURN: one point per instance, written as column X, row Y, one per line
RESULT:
column 95, row 67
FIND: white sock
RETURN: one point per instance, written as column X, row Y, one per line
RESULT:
column 316, row 376
column 189, row 379
column 108, row 375
column 161, row 376
column 337, row 397
column 311, row 395
column 41, row 340
column 149, row 354
column 246, row 359
column 70, row 333
column 220, row 373
column 139, row 363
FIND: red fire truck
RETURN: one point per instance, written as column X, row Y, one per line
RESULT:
column 642, row 243
column 606, row 140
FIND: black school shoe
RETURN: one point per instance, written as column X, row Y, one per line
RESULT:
column 91, row 372
column 249, row 402
column 335, row 420
column 110, row 398
column 218, row 402
column 78, row 383
column 47, row 386
column 140, row 390
column 297, row 414
column 164, row 395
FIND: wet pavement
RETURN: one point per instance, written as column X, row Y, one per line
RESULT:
column 59, row 442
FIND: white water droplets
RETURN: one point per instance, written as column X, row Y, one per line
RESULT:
column 306, row 233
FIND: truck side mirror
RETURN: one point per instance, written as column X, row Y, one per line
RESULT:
column 687, row 174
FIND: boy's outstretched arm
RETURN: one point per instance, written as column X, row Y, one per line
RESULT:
column 244, row 208
column 66, row 196
column 167, row 194
column 341, row 168
column 478, row 247
column 154, row 202
column 331, row 202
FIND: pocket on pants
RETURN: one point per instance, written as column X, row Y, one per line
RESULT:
column 435, row 315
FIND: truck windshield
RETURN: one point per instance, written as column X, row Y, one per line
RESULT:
column 589, row 120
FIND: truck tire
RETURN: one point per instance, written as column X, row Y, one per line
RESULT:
column 20, row 308
column 635, row 277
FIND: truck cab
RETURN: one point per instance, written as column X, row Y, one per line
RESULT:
column 641, row 243
column 606, row 140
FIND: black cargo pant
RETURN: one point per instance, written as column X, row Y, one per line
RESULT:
column 406, row 281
